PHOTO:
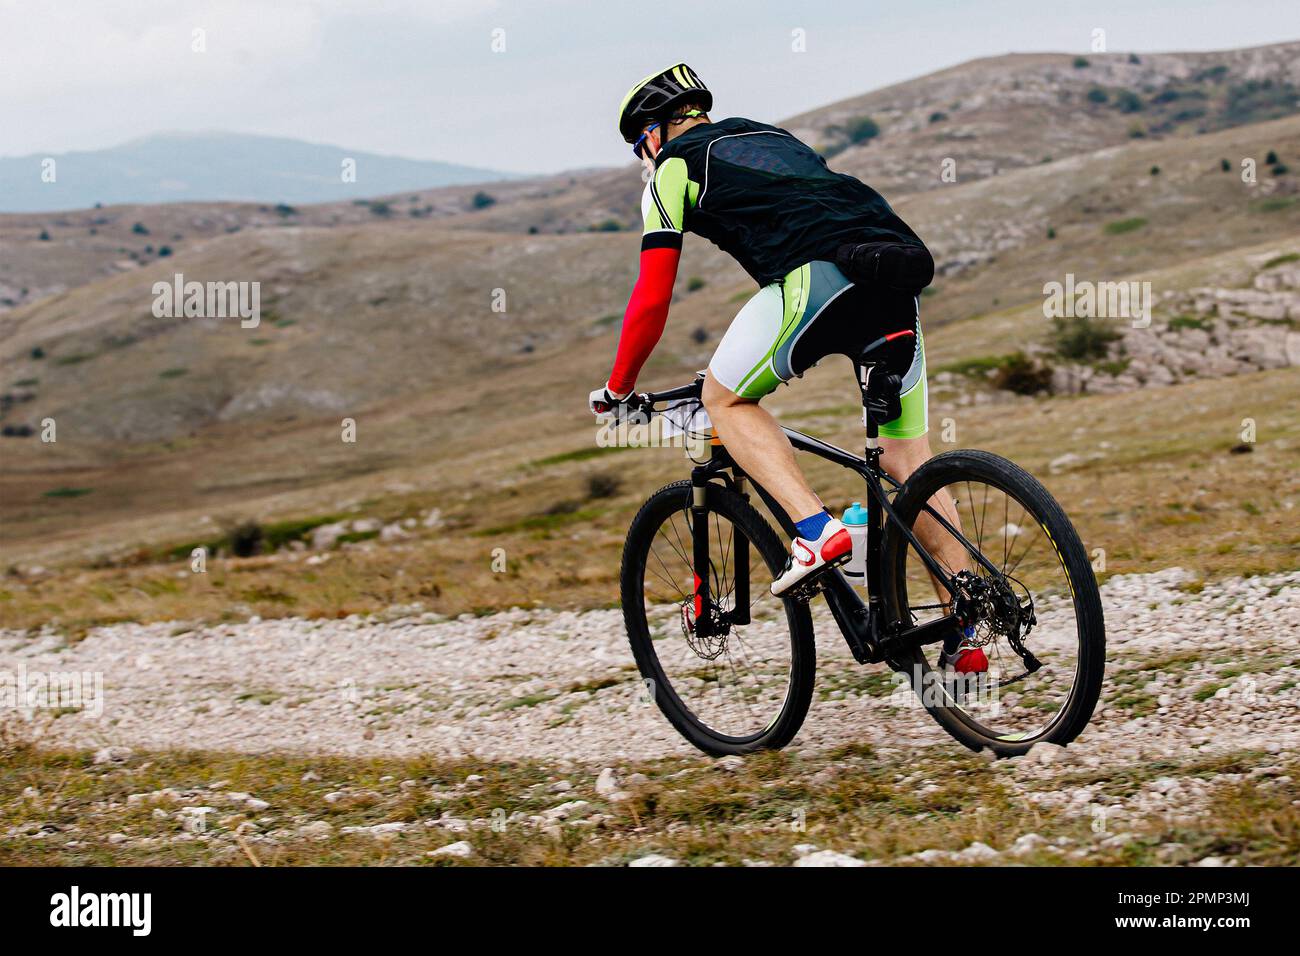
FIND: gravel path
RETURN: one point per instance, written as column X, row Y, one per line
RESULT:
column 1188, row 673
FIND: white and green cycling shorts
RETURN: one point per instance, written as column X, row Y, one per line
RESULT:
column 791, row 325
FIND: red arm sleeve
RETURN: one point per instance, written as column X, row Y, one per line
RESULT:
column 647, row 311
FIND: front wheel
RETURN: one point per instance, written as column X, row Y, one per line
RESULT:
column 744, row 682
column 1037, row 610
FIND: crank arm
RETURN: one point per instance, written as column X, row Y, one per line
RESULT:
column 932, row 632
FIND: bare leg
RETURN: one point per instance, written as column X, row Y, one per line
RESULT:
column 901, row 457
column 756, row 441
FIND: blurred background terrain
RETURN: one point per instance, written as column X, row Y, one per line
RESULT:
column 472, row 433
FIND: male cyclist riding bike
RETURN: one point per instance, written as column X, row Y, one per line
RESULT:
column 770, row 202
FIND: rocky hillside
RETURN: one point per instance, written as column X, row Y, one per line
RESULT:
column 991, row 116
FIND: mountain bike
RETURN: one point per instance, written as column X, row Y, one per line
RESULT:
column 732, row 667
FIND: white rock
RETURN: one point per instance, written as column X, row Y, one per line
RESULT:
column 460, row 850
column 979, row 851
column 606, row 782
column 378, row 829
column 316, row 830
column 828, row 858
column 653, row 859
column 113, row 755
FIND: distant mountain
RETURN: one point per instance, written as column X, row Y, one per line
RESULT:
column 175, row 167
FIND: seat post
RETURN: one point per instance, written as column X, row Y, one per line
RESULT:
column 869, row 423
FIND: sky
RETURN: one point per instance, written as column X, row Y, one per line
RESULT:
column 430, row 80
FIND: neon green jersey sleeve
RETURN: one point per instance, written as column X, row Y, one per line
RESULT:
column 667, row 197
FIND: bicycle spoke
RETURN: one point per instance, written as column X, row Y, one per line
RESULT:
column 731, row 677
column 1031, row 701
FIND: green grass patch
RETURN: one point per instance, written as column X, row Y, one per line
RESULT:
column 173, row 372
column 1121, row 226
column 1281, row 260
column 67, row 492
column 578, row 454
column 352, row 537
column 1273, row 204
column 977, row 366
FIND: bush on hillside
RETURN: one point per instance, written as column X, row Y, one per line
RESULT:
column 862, row 129
column 1020, row 374
column 1082, row 339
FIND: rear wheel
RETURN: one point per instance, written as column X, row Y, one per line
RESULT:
column 746, row 686
column 1038, row 614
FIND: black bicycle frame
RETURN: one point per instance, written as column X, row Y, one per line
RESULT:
column 870, row 636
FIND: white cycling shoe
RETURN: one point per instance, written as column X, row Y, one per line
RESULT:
column 808, row 558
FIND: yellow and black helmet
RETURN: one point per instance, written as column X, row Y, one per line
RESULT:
column 653, row 99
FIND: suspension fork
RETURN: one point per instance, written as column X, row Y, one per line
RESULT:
column 700, row 564
column 740, row 610
column 700, row 550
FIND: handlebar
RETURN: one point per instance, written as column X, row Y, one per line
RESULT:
column 682, row 391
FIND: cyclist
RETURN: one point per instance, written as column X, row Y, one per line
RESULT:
column 770, row 201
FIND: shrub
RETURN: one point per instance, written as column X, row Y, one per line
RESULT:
column 44, row 236
column 700, row 335
column 1155, row 170
column 284, row 209
column 695, row 283
column 1051, row 233
column 164, row 252
column 140, row 229
column 1081, row 339
column 1121, row 226
column 67, row 492
column 1126, row 101
column 1271, row 158
column 1280, row 169
column 938, row 116
column 1081, row 62
column 381, row 209
column 1022, row 375
column 603, row 485
column 862, row 129
column 1257, row 100
column 609, row 225
column 1098, row 95
column 1225, row 165
column 482, row 200
column 246, row 539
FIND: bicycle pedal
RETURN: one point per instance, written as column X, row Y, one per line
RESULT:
column 807, row 590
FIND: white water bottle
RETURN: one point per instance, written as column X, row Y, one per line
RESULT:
column 855, row 520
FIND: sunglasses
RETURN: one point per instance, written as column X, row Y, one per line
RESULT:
column 636, row 147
